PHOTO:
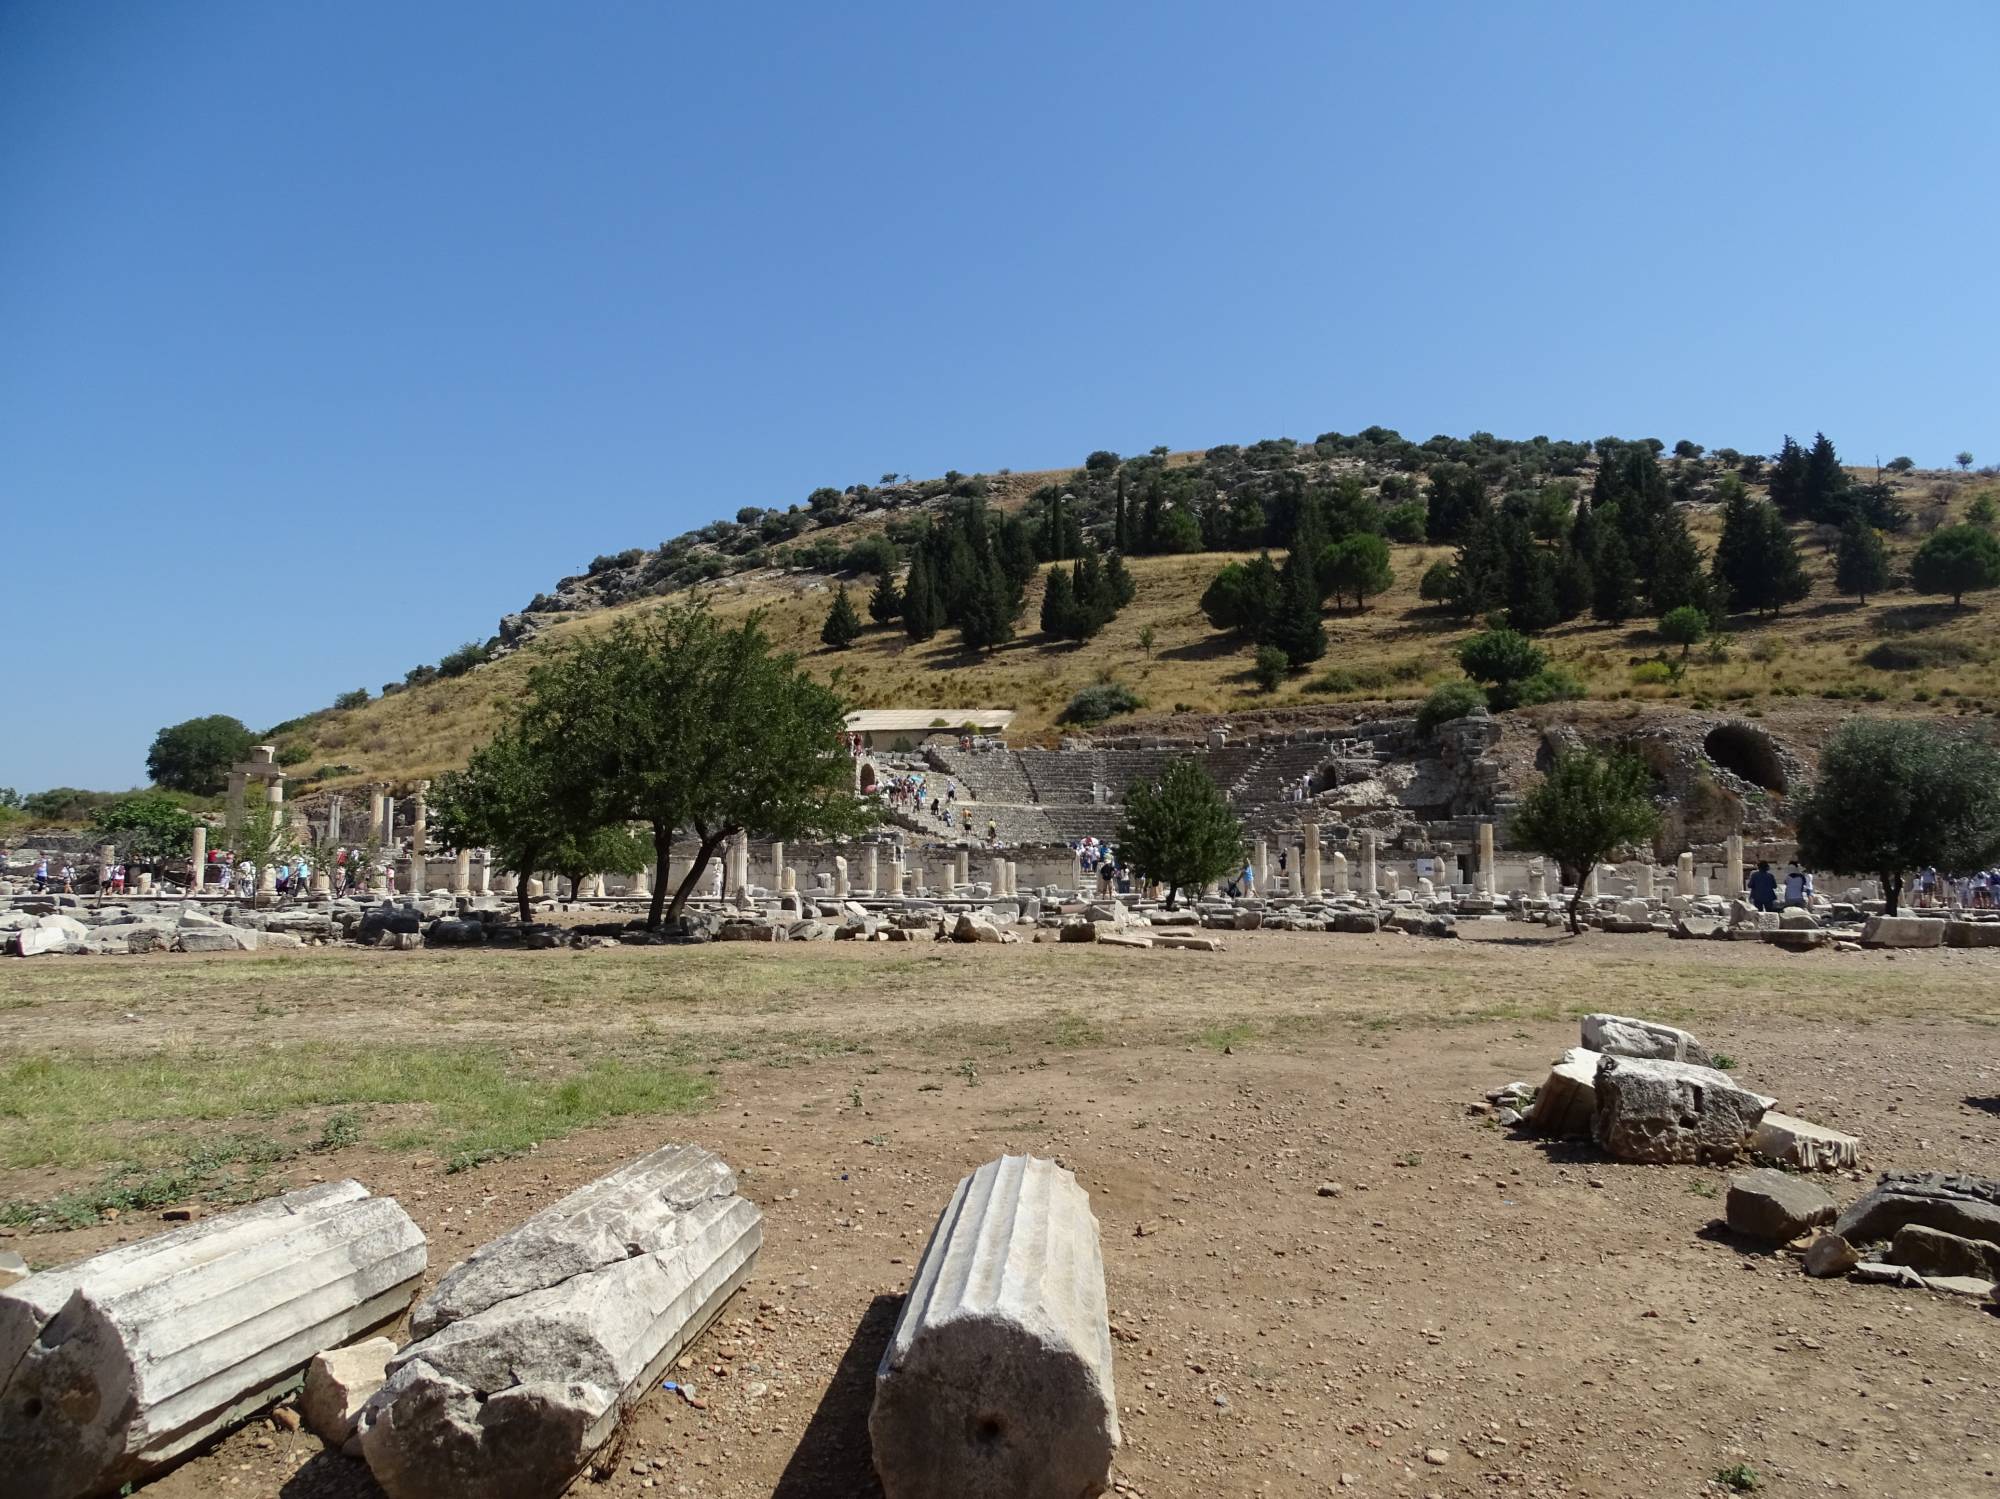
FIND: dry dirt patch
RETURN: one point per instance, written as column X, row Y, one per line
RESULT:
column 1551, row 1323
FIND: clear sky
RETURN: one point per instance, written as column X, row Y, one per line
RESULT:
column 330, row 333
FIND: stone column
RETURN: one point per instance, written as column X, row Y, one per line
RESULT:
column 777, row 863
column 377, row 831
column 642, row 885
column 1075, row 870
column 333, row 818
column 839, row 877
column 1339, row 872
column 964, row 867
column 1700, row 886
column 461, row 873
column 535, row 888
column 1369, row 887
column 1487, row 882
column 1260, row 870
column 388, row 820
column 1590, row 883
column 788, row 883
column 486, row 871
column 419, row 841
column 1684, row 875
column 1538, row 881
column 919, row 887
column 1732, row 878
column 1013, row 878
column 1643, row 886
column 872, row 865
column 1309, row 862
column 198, row 866
column 741, row 883
column 896, row 877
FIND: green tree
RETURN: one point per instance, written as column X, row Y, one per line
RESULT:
column 1454, row 502
column 1243, row 596
column 1685, row 627
column 148, row 827
column 1268, row 667
column 1757, row 565
column 921, row 615
column 1964, row 461
column 1439, row 584
column 1356, row 567
column 1860, row 561
column 266, row 838
column 1824, row 494
column 195, row 756
column 1586, row 807
column 674, row 721
column 1956, row 560
column 842, row 623
column 1892, row 797
column 1448, row 701
column 885, row 604
column 1678, row 576
column 1614, row 590
column 1118, row 579
column 1059, row 605
column 506, row 800
column 986, row 617
column 1179, row 831
column 358, row 698
column 1982, row 512
column 1503, row 659
column 1295, row 629
column 611, row 849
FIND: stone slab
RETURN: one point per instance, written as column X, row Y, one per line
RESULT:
column 1624, row 1036
column 1800, row 1143
column 1566, row 1103
column 1902, row 931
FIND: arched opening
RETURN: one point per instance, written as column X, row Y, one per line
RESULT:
column 867, row 778
column 1747, row 753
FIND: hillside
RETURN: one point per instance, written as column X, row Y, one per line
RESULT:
column 1900, row 650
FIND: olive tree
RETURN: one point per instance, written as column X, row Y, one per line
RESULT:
column 1892, row 797
column 1588, row 805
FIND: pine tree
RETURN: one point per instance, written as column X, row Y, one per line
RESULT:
column 1575, row 585
column 842, row 623
column 1614, row 596
column 1059, row 605
column 1122, row 527
column 986, row 617
column 1788, row 479
column 1150, row 519
column 1093, row 602
column 1017, row 557
column 1123, row 589
column 1824, row 495
column 1861, row 562
column 1296, row 629
column 1756, row 564
column 885, row 603
column 921, row 617
column 1678, row 579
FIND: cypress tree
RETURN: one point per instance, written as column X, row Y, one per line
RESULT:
column 1059, row 606
column 885, row 603
column 1296, row 629
column 1756, row 563
column 1123, row 589
column 920, row 607
column 1122, row 528
column 1677, row 579
column 1824, row 493
column 842, row 623
column 986, row 617
column 1575, row 586
column 1614, row 595
column 1148, row 538
column 1861, row 562
column 1788, row 479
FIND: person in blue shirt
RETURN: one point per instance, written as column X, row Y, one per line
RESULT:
column 1764, row 888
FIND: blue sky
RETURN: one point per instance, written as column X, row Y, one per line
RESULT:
column 328, row 334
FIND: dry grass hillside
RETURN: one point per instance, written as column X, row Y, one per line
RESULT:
column 1901, row 651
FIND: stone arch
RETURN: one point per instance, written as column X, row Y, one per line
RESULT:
column 1746, row 753
column 865, row 777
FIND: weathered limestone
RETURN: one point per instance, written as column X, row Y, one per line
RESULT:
column 997, row 1381
column 1622, row 1036
column 1673, row 1112
column 530, row 1351
column 198, row 860
column 461, row 873
column 1538, row 881
column 1260, row 881
column 1684, row 875
column 1732, row 872
column 1369, row 885
column 338, row 1383
column 1968, row 1206
column 839, row 877
column 777, row 862
column 1590, row 883
column 1902, row 931
column 1340, row 886
column 896, row 876
column 1487, row 884
column 962, row 876
column 1829, row 1254
column 1959, row 933
column 1566, row 1103
column 1803, row 1144
column 117, row 1366
column 872, row 867
column 1774, row 1207
column 642, row 884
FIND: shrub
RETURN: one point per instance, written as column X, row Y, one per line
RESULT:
column 1503, row 658
column 1438, row 584
column 605, row 563
column 1099, row 701
column 1552, row 684
column 1405, row 522
column 1270, row 667
column 462, row 660
column 355, row 699
column 1448, row 701
column 1920, row 654
column 292, row 753
column 1652, row 674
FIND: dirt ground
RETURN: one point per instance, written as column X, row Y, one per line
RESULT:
column 1547, row 1322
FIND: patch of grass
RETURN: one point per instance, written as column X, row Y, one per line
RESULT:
column 1073, row 1030
column 142, row 1116
column 1921, row 654
column 1222, row 1037
column 1724, row 1062
column 1740, row 1478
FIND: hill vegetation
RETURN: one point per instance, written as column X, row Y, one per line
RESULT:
column 1284, row 573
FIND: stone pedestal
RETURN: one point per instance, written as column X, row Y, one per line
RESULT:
column 1339, row 873
column 1684, row 875
column 788, row 882
column 642, row 886
column 896, row 878
column 839, row 877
